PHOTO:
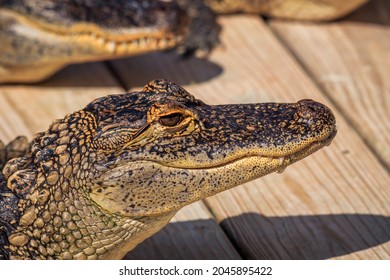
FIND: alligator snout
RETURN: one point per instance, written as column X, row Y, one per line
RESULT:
column 310, row 108
column 315, row 112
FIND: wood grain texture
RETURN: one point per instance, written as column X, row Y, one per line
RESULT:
column 350, row 61
column 335, row 204
column 27, row 110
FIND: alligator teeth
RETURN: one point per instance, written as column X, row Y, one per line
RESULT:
column 122, row 47
column 146, row 42
column 153, row 43
column 111, row 46
column 162, row 43
column 132, row 45
column 129, row 46
column 100, row 41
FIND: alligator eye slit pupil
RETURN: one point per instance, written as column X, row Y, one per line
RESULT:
column 171, row 120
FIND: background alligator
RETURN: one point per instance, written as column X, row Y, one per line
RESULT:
column 40, row 37
column 103, row 179
column 313, row 10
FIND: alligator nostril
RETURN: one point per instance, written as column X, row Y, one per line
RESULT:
column 309, row 104
column 311, row 108
column 311, row 112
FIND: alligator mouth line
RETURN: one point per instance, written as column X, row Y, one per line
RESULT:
column 147, row 41
column 144, row 39
column 283, row 161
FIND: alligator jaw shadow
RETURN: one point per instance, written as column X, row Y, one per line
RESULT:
column 135, row 71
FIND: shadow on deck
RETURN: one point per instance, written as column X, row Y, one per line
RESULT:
column 259, row 237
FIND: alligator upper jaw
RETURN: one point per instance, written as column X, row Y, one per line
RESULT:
column 114, row 46
column 281, row 133
column 279, row 161
column 107, row 45
column 43, row 49
column 99, row 41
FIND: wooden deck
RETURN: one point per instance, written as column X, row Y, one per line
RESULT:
column 332, row 205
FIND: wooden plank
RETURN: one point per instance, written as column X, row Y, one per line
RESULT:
column 350, row 61
column 27, row 109
column 335, row 204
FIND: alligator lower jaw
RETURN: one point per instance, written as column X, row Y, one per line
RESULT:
column 310, row 149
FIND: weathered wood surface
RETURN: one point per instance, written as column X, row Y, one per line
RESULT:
column 335, row 204
column 350, row 61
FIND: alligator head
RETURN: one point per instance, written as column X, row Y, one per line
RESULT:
column 40, row 37
column 104, row 178
column 175, row 150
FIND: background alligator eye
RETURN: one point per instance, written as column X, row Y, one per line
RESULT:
column 171, row 120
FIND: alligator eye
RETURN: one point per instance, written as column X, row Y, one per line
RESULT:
column 171, row 120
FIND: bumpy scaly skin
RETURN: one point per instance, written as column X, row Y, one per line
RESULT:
column 16, row 148
column 104, row 178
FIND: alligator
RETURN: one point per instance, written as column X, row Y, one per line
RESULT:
column 311, row 10
column 104, row 178
column 38, row 38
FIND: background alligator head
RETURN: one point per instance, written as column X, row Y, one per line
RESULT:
column 40, row 37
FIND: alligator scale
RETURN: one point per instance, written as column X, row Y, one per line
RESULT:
column 101, row 180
